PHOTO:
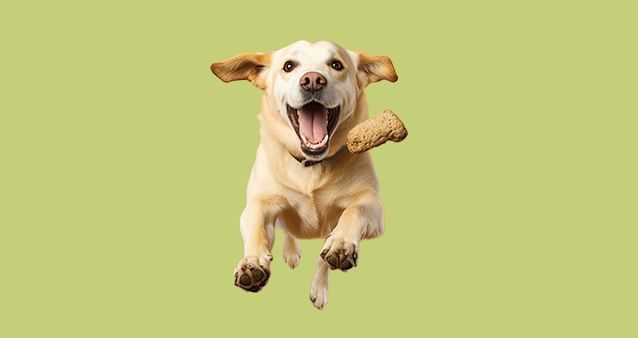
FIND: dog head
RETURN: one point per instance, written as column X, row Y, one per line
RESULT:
column 314, row 87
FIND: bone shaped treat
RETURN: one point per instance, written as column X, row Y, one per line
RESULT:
column 375, row 132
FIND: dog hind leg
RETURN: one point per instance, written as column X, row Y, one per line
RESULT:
column 291, row 250
column 320, row 284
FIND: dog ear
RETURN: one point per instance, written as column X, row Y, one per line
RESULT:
column 374, row 68
column 247, row 66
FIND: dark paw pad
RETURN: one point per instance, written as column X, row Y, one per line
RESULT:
column 340, row 254
column 250, row 275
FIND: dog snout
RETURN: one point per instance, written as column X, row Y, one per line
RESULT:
column 312, row 81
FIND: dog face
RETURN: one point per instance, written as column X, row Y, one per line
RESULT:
column 313, row 86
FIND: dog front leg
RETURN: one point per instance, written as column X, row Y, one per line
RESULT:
column 362, row 219
column 258, row 234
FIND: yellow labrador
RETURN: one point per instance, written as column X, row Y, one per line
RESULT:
column 303, row 181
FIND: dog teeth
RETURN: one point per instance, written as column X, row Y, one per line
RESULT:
column 312, row 145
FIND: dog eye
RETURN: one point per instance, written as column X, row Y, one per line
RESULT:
column 337, row 65
column 288, row 66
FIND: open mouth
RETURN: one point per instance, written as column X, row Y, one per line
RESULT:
column 314, row 124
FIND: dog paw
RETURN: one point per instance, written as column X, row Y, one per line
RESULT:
column 252, row 273
column 292, row 252
column 319, row 292
column 340, row 254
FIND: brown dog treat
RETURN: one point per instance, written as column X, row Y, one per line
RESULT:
column 375, row 132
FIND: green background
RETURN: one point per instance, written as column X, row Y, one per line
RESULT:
column 511, row 208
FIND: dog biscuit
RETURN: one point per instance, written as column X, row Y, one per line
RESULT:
column 375, row 132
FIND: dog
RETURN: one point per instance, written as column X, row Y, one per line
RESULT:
column 303, row 181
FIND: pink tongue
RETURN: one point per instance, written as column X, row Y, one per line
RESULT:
column 312, row 122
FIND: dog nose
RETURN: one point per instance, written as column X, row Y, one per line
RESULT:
column 312, row 80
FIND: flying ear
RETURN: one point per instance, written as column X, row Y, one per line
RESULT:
column 374, row 68
column 247, row 66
